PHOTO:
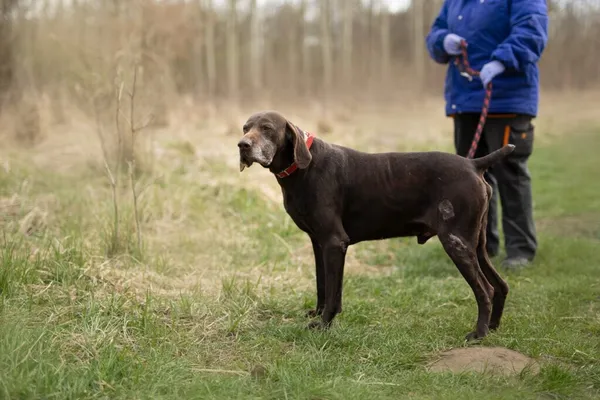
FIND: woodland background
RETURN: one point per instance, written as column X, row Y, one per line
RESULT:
column 72, row 53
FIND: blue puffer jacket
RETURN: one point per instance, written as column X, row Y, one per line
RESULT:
column 514, row 32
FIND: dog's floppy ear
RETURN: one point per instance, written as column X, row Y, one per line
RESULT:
column 302, row 156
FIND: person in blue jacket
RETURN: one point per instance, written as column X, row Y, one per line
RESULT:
column 505, row 40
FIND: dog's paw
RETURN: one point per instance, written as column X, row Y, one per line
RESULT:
column 313, row 313
column 494, row 325
column 317, row 325
column 314, row 325
column 474, row 337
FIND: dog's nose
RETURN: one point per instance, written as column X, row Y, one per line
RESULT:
column 244, row 144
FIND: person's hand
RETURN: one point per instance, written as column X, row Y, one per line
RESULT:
column 452, row 44
column 490, row 71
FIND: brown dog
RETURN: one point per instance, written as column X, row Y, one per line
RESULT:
column 340, row 196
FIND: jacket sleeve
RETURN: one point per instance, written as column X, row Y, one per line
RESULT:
column 528, row 36
column 435, row 38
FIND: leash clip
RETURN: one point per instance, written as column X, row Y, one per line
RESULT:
column 466, row 75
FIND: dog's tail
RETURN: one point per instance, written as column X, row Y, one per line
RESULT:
column 483, row 163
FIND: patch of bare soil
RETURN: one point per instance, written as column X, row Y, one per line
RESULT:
column 494, row 360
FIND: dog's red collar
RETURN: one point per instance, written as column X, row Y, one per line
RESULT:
column 290, row 170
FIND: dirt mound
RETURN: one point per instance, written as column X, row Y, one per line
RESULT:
column 495, row 360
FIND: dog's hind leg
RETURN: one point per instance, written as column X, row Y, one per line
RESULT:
column 463, row 253
column 500, row 286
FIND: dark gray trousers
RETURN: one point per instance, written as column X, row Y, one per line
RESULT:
column 509, row 178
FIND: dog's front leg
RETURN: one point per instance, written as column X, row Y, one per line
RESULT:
column 320, row 277
column 334, row 257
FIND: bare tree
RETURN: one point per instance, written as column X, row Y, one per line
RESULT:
column 348, row 19
column 418, row 40
column 306, row 60
column 232, row 51
column 372, row 51
column 211, row 62
column 255, row 44
column 293, row 58
column 6, row 46
column 385, row 43
column 326, row 46
column 196, row 66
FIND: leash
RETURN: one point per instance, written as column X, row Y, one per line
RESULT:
column 462, row 63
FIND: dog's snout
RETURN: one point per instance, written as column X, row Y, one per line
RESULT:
column 244, row 144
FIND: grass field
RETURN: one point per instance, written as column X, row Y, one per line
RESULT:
column 212, row 306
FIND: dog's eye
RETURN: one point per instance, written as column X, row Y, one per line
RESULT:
column 245, row 128
column 266, row 128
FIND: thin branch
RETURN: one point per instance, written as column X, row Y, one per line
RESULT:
column 132, row 100
column 136, row 129
column 135, row 205
column 113, row 185
column 132, row 162
column 99, row 129
column 143, row 189
column 122, row 114
column 111, row 177
column 119, row 133
column 145, row 124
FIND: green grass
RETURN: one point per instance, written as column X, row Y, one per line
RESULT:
column 66, row 333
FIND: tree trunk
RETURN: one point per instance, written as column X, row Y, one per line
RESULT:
column 385, row 44
column 211, row 61
column 6, row 48
column 418, row 41
column 347, row 65
column 197, row 73
column 326, row 48
column 293, row 59
column 306, row 60
column 255, row 45
column 232, row 52
column 372, row 54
